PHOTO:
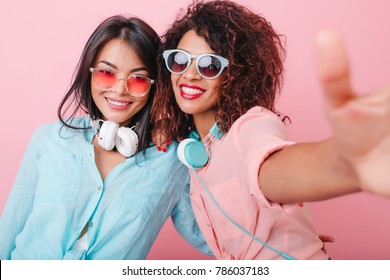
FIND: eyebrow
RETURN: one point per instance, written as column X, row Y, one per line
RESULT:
column 143, row 68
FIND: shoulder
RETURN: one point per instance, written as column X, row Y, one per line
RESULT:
column 56, row 131
column 166, row 164
column 46, row 130
column 260, row 114
column 163, row 161
column 259, row 121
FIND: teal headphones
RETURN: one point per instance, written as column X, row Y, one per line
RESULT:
column 192, row 152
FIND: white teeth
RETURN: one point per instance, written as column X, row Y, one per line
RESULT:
column 116, row 103
column 188, row 90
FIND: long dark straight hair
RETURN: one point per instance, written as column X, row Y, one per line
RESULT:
column 146, row 44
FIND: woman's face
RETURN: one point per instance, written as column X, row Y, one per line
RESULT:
column 116, row 104
column 194, row 94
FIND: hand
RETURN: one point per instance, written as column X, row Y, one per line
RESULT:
column 361, row 124
column 159, row 139
column 325, row 239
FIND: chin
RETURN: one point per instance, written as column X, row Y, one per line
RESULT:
column 119, row 120
column 189, row 111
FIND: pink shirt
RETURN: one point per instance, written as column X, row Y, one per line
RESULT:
column 231, row 176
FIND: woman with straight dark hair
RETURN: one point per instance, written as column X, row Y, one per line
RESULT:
column 90, row 186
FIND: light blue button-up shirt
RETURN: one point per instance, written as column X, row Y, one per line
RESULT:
column 59, row 190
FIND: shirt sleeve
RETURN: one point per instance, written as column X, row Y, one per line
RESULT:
column 258, row 134
column 20, row 201
column 184, row 220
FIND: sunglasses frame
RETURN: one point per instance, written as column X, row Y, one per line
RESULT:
column 224, row 62
column 150, row 81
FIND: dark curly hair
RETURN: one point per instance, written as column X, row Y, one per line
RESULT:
column 253, row 77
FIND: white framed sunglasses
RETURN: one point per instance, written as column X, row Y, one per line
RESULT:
column 209, row 66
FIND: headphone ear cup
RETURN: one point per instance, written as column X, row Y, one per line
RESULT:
column 192, row 153
column 106, row 137
column 126, row 141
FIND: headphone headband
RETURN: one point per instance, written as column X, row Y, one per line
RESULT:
column 110, row 135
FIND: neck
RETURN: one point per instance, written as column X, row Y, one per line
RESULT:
column 203, row 123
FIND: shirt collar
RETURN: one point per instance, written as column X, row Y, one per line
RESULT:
column 214, row 130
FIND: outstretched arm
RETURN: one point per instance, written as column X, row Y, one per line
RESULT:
column 355, row 158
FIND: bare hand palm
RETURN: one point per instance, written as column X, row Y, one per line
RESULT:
column 361, row 124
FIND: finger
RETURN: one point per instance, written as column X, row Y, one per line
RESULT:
column 333, row 68
column 161, row 142
column 164, row 145
column 158, row 142
column 153, row 136
column 326, row 238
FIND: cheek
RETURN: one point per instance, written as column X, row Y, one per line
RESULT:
column 142, row 101
column 174, row 79
column 215, row 91
column 175, row 87
column 216, row 84
column 95, row 95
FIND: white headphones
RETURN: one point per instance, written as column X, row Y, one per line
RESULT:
column 110, row 135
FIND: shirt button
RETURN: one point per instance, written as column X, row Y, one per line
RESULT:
column 99, row 188
column 90, row 224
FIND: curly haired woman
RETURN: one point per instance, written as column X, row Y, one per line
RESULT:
column 223, row 69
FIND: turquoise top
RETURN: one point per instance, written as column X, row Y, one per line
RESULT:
column 59, row 190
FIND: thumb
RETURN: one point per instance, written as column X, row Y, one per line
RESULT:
column 333, row 68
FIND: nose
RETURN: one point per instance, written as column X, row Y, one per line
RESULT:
column 120, row 86
column 192, row 73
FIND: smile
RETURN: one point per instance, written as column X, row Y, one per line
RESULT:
column 117, row 103
column 190, row 92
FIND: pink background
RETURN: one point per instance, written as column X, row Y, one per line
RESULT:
column 42, row 40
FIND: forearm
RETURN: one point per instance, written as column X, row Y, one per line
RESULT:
column 306, row 172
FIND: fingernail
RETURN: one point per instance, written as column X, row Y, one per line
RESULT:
column 164, row 149
column 169, row 141
column 159, row 148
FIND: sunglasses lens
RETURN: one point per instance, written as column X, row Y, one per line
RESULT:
column 209, row 66
column 177, row 62
column 138, row 85
column 104, row 79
